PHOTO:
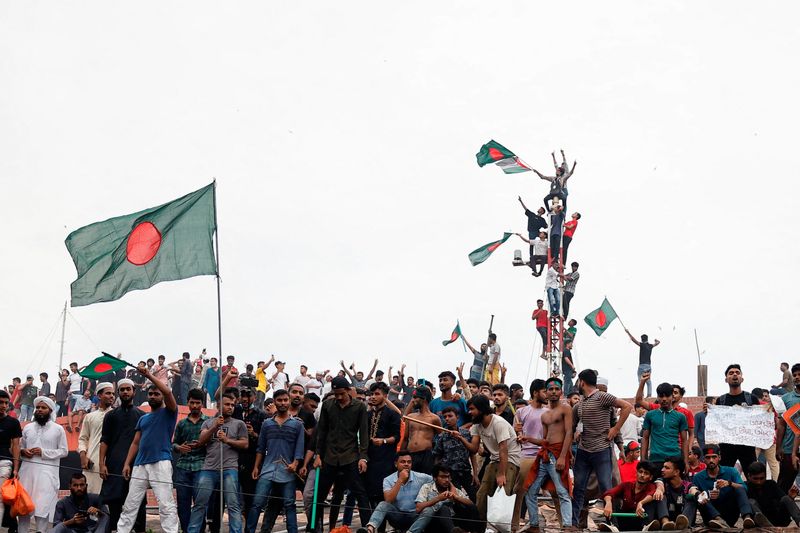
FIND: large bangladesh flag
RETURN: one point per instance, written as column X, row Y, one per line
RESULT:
column 601, row 318
column 476, row 257
column 132, row 252
column 494, row 152
column 453, row 336
column 102, row 365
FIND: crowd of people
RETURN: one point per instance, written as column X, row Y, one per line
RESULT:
column 400, row 450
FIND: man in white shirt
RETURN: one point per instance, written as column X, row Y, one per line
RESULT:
column 551, row 283
column 89, row 439
column 279, row 379
column 303, row 379
column 631, row 430
column 75, row 385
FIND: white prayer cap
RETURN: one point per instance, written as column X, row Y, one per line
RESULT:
column 104, row 385
column 125, row 381
column 602, row 381
column 47, row 401
column 683, row 404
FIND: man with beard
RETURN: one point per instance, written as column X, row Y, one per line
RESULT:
column 223, row 437
column 726, row 496
column 500, row 441
column 594, row 412
column 384, row 433
column 119, row 429
column 342, row 442
column 279, row 452
column 191, row 456
column 43, row 444
column 730, row 453
column 445, row 505
column 149, row 461
column 10, row 434
column 528, row 427
column 91, row 432
column 419, row 438
column 446, row 382
column 553, row 457
column 252, row 418
column 80, row 512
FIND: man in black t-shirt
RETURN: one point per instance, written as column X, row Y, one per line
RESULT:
column 10, row 433
column 645, row 358
column 771, row 506
column 736, row 396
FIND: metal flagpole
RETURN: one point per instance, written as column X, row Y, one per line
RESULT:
column 63, row 329
column 219, row 338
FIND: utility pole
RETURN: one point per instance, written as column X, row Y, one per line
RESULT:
column 702, row 371
column 63, row 328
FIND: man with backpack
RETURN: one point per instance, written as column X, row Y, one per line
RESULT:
column 736, row 396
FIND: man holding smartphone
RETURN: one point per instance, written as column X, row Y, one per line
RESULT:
column 191, row 455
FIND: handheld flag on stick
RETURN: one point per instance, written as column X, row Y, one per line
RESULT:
column 494, row 152
column 103, row 365
column 453, row 336
column 476, row 257
column 601, row 318
column 132, row 252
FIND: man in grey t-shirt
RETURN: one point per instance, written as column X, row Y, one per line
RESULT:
column 223, row 437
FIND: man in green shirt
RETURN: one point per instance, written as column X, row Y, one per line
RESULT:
column 191, row 456
column 665, row 431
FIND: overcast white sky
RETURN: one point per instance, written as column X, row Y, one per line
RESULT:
column 343, row 135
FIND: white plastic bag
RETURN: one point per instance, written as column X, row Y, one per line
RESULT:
column 500, row 510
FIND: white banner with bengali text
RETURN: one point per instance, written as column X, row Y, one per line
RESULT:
column 747, row 425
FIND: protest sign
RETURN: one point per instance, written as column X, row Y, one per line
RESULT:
column 750, row 426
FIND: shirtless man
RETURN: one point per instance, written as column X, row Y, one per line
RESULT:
column 554, row 457
column 419, row 437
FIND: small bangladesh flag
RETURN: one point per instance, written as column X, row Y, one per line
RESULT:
column 476, row 257
column 601, row 318
column 102, row 365
column 132, row 252
column 494, row 152
column 453, row 336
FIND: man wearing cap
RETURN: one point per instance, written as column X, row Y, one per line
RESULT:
column 119, row 428
column 419, row 437
column 342, row 439
column 279, row 379
column 91, row 432
column 42, row 446
column 628, row 462
column 725, row 497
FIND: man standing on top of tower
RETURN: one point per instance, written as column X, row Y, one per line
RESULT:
column 645, row 353
column 558, row 183
column 569, row 231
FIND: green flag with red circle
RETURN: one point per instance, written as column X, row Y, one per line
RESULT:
column 494, row 152
column 454, row 336
column 133, row 252
column 102, row 365
column 479, row 255
column 601, row 318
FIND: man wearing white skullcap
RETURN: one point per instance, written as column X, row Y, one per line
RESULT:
column 89, row 439
column 42, row 446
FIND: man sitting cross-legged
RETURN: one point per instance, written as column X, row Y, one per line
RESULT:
column 673, row 508
column 442, row 507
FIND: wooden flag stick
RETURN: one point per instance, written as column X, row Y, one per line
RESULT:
column 438, row 428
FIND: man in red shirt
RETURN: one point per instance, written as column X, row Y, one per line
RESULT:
column 540, row 316
column 695, row 463
column 629, row 463
column 227, row 368
column 633, row 497
column 569, row 231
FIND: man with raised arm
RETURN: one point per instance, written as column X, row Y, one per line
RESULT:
column 149, row 461
column 558, row 183
column 645, row 358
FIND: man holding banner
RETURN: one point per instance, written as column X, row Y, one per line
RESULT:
column 744, row 453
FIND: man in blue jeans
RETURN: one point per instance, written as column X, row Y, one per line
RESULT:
column 645, row 358
column 223, row 437
column 400, row 490
column 594, row 413
column 280, row 450
column 191, row 456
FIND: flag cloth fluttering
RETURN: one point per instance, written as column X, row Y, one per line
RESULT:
column 494, row 152
column 133, row 252
column 601, row 318
column 453, row 336
column 480, row 255
column 102, row 365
